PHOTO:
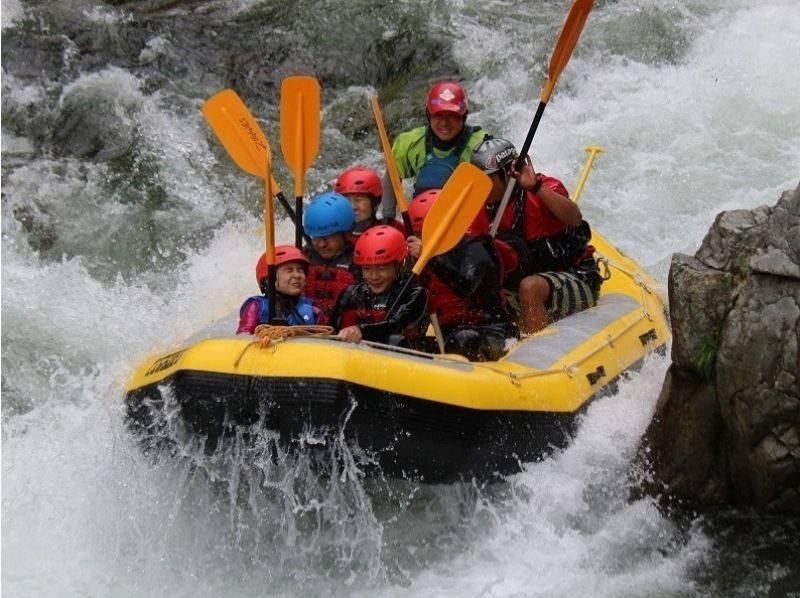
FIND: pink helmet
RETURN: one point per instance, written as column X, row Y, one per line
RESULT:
column 283, row 254
column 447, row 97
column 420, row 207
column 359, row 180
column 380, row 245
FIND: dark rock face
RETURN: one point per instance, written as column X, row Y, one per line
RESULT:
column 727, row 423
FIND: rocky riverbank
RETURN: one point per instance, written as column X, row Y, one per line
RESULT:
column 727, row 424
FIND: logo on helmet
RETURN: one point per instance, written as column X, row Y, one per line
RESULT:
column 502, row 156
column 447, row 95
column 491, row 163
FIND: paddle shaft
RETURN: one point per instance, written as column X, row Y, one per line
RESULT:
column 593, row 151
column 269, row 237
column 290, row 212
column 391, row 165
column 565, row 44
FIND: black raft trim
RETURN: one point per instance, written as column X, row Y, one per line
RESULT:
column 409, row 436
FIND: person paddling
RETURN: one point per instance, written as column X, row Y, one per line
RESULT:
column 291, row 307
column 429, row 154
column 362, row 312
column 557, row 274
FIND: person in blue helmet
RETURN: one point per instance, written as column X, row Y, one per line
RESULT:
column 329, row 220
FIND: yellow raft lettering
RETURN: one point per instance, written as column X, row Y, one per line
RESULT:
column 166, row 362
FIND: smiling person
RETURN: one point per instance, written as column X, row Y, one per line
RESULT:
column 362, row 186
column 429, row 154
column 291, row 307
column 363, row 310
column 328, row 220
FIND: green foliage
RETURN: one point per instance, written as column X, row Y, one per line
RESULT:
column 706, row 359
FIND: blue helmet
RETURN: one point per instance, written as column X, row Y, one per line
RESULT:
column 327, row 214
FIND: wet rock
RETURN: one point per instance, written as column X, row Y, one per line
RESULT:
column 727, row 424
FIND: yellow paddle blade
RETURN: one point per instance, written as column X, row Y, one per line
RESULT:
column 300, row 125
column 239, row 133
column 391, row 166
column 462, row 197
column 566, row 43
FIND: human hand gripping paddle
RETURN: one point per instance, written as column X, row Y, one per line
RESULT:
column 561, row 54
column 391, row 166
column 238, row 131
column 459, row 202
column 300, row 124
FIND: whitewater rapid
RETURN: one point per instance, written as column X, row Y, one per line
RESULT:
column 694, row 104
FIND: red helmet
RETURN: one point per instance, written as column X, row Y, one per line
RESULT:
column 420, row 207
column 380, row 245
column 283, row 254
column 359, row 179
column 447, row 97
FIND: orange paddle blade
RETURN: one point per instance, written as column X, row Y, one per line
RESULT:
column 462, row 197
column 566, row 43
column 300, row 125
column 391, row 165
column 239, row 133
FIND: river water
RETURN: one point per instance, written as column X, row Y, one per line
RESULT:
column 125, row 228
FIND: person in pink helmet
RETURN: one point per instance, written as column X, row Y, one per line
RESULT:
column 429, row 154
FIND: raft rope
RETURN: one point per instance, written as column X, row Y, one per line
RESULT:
column 269, row 336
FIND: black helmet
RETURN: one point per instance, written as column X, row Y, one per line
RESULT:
column 493, row 154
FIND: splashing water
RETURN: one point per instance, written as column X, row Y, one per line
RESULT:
column 124, row 244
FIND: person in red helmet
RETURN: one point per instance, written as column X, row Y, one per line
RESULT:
column 370, row 310
column 429, row 154
column 363, row 187
column 465, row 287
column 291, row 307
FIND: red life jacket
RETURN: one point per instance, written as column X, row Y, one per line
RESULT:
column 549, row 243
column 359, row 306
column 451, row 309
column 453, row 304
column 534, row 219
column 327, row 279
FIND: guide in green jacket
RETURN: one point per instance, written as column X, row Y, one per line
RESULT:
column 429, row 154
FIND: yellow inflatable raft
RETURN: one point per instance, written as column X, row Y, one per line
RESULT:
column 431, row 417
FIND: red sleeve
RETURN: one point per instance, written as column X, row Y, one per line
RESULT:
column 249, row 318
column 555, row 185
